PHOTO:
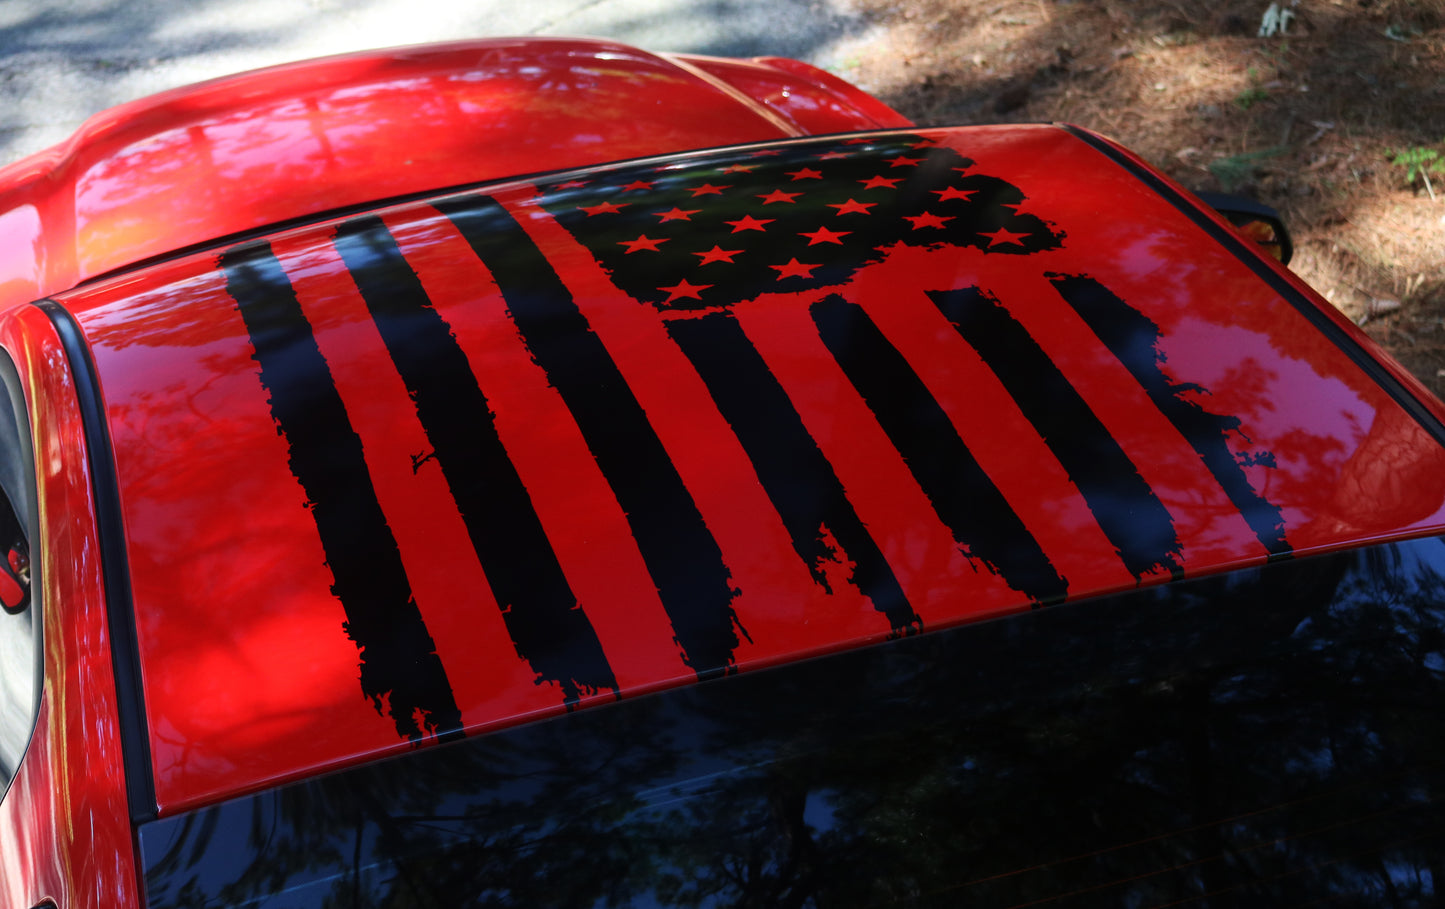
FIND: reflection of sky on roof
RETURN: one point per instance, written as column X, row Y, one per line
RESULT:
column 1295, row 398
column 1214, row 350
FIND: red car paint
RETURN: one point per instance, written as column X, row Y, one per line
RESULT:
column 250, row 679
column 247, row 151
column 65, row 834
column 248, row 626
column 240, row 153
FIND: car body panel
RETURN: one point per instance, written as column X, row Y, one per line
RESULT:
column 65, row 833
column 466, row 461
column 811, row 100
column 1326, row 311
column 239, row 153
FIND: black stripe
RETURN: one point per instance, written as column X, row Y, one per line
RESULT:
column 115, row 568
column 680, row 553
column 1127, row 510
column 793, row 471
column 961, row 492
column 400, row 669
column 1253, row 257
column 1134, row 339
column 540, row 610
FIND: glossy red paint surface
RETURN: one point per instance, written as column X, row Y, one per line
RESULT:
column 64, row 825
column 1400, row 373
column 811, row 100
column 250, row 646
column 243, row 152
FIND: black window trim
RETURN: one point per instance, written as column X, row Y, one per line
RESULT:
column 115, row 566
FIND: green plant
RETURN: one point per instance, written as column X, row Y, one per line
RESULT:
column 1249, row 98
column 1255, row 93
column 1420, row 160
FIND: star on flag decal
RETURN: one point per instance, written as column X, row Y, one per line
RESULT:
column 1003, row 236
column 794, row 269
column 604, row 208
column 677, row 214
column 824, row 235
column 724, row 227
column 683, row 290
column 748, row 222
column 642, row 242
column 927, row 219
column 717, row 254
column 778, row 195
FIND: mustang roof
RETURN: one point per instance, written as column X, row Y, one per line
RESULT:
column 423, row 471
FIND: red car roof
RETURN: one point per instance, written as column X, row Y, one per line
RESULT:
column 461, row 462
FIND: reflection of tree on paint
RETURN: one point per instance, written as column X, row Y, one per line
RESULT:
column 1135, row 338
column 1270, row 737
column 1189, row 268
column 1127, row 509
column 1394, row 479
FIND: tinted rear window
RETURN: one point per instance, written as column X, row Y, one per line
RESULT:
column 1269, row 737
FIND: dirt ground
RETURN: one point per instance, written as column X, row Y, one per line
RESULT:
column 1311, row 122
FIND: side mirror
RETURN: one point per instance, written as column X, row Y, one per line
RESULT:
column 1258, row 223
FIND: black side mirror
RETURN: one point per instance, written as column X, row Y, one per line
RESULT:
column 1258, row 223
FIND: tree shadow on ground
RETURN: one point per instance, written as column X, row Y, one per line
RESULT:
column 1309, row 121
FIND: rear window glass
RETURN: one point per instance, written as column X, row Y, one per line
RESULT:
column 19, row 611
column 1268, row 737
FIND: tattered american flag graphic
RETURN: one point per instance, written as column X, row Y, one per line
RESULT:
column 779, row 220
column 807, row 243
